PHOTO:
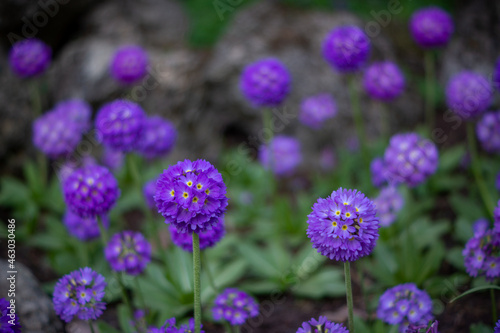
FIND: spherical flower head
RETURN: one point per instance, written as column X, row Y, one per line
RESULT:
column 431, row 27
column 30, row 57
column 321, row 325
column 112, row 158
column 119, row 124
column 234, row 306
column 482, row 253
column 344, row 226
column 383, row 81
column 410, row 159
column 129, row 252
column 191, row 196
column 90, row 191
column 403, row 305
column 129, row 64
column 265, row 83
column 346, row 48
column 285, row 155
column 317, row 109
column 149, row 191
column 208, row 238
column 488, row 132
column 158, row 137
column 76, row 110
column 9, row 323
column 389, row 202
column 84, row 228
column 378, row 172
column 79, row 294
column 55, row 136
column 468, row 94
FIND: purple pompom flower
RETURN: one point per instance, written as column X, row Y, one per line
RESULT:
column 410, row 159
column 30, row 57
column 265, row 83
column 208, row 238
column 383, row 81
column 389, row 202
column 84, row 228
column 403, row 305
column 9, row 321
column 378, row 172
column 191, row 196
column 488, row 131
column 90, row 191
column 128, row 251
column 129, row 64
column 80, row 294
column 315, row 110
column 149, row 191
column 76, row 110
column 344, row 226
column 234, row 306
column 321, row 325
column 468, row 94
column 285, row 157
column 482, row 253
column 119, row 124
column 346, row 48
column 170, row 327
column 431, row 27
column 158, row 137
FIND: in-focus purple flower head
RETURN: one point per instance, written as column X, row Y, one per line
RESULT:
column 30, row 57
column 321, row 325
column 129, row 64
column 378, row 172
column 191, row 196
column 129, row 252
column 112, row 158
column 149, row 191
column 346, row 48
column 79, row 294
column 468, row 94
column 488, row 132
column 9, row 323
column 158, row 137
column 344, row 226
column 90, row 191
column 84, row 228
column 234, row 306
column 405, row 304
column 208, row 238
column 315, row 110
column 482, row 252
column 285, row 156
column 170, row 326
column 431, row 27
column 265, row 83
column 410, row 159
column 383, row 81
column 388, row 203
column 76, row 110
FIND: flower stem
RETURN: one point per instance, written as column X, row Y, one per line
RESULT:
column 209, row 273
column 348, row 289
column 430, row 76
column 91, row 326
column 493, row 306
column 197, row 282
column 268, row 127
column 139, row 293
column 227, row 327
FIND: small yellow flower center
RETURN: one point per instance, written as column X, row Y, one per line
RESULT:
column 360, row 220
column 479, row 257
column 189, row 183
column 334, row 223
column 207, row 191
column 345, row 203
column 195, row 199
column 337, row 212
column 82, row 294
column 172, row 193
column 357, row 209
column 347, row 214
column 185, row 195
column 344, row 227
column 199, row 186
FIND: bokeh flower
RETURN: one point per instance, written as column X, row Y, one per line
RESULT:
column 315, row 110
column 8, row 324
column 346, row 48
column 388, row 203
column 488, row 131
column 208, row 238
column 321, row 325
column 468, row 94
column 112, row 158
column 378, row 172
column 285, row 156
column 30, row 57
column 148, row 191
column 76, row 110
column 234, row 306
column 158, row 137
column 170, row 327
column 431, row 27
column 128, row 251
column 129, row 64
column 482, row 253
column 497, row 327
column 84, row 228
column 383, row 81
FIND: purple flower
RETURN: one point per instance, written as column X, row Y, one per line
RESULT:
column 497, row 183
column 488, row 131
column 30, row 57
column 327, row 159
column 149, row 191
column 158, row 137
column 119, row 124
column 403, row 305
column 482, row 252
column 191, row 196
column 208, row 238
column 497, row 327
column 378, row 172
column 346, row 48
column 80, row 294
column 128, row 251
column 388, row 203
column 170, row 327
column 112, row 159
column 84, row 228
column 265, row 83
column 383, row 81
column 496, row 216
column 343, row 226
column 315, row 110
column 234, row 306
column 129, row 64
column 90, row 191
column 76, row 110
column 9, row 321
column 285, row 157
column 415, row 328
column 431, row 27
column 410, row 159
column 322, row 325
column 468, row 94
column 496, row 75
column 480, row 227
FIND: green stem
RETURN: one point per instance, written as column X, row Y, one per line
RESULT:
column 228, row 328
column 348, row 290
column 209, row 273
column 139, row 293
column 36, row 98
column 124, row 294
column 132, row 168
column 91, row 326
column 268, row 127
column 197, row 282
column 493, row 306
column 430, row 77
column 238, row 329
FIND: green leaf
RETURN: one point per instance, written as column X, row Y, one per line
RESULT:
column 106, row 328
column 451, row 158
column 124, row 318
column 327, row 282
column 228, row 274
column 454, row 256
column 473, row 290
column 480, row 328
column 13, row 192
column 259, row 261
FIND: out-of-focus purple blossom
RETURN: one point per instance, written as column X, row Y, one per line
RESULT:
column 497, row 327
column 208, row 238
column 315, row 110
column 482, row 252
column 496, row 76
column 327, row 159
column 170, row 327
column 84, row 228
column 321, row 325
column 468, row 94
column 383, row 81
column 9, row 321
column 234, row 306
column 128, row 251
column 65, row 169
column 378, row 172
column 30, row 57
column 149, row 191
column 76, row 110
column 285, row 157
column 389, row 202
column 129, row 64
column 158, row 137
column 353, row 144
column 346, row 48
column 496, row 216
column 431, row 27
column 480, row 227
column 488, row 131
column 112, row 158
column 413, row 328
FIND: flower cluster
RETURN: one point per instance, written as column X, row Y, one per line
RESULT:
column 149, row 191
column 405, row 304
column 170, row 327
column 410, row 159
column 346, row 48
column 482, row 252
column 234, row 306
column 191, row 196
column 343, row 226
column 84, row 228
column 128, row 251
column 383, row 81
column 158, row 137
column 76, row 110
column 488, row 131
column 285, row 155
column 414, row 328
column 30, row 57
column 316, row 109
column 129, row 64
column 431, row 27
column 208, row 238
column 80, row 294
column 321, row 325
column 468, row 94
column 389, row 202
column 8, row 324
column 378, row 172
